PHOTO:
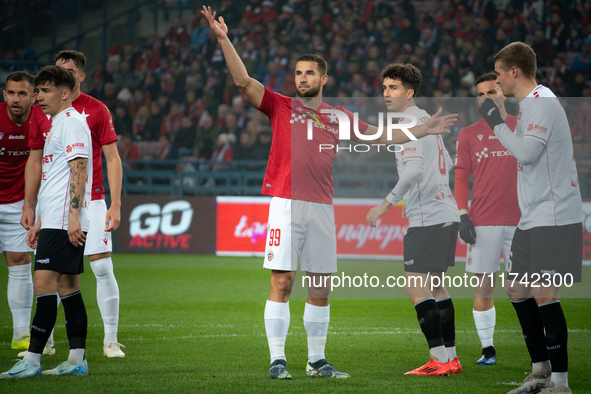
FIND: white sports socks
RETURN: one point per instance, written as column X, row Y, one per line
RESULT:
column 276, row 326
column 316, row 319
column 107, row 296
column 485, row 325
column 20, row 298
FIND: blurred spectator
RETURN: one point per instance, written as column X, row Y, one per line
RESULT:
column 171, row 123
column 139, row 122
column 183, row 142
column 224, row 151
column 207, row 134
column 140, row 99
column 164, row 147
column 128, row 150
column 152, row 126
column 122, row 122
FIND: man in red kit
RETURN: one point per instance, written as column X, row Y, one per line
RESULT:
column 17, row 116
column 299, row 179
column 488, row 229
column 98, row 245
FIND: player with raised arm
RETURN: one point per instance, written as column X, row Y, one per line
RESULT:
column 548, row 243
column 301, row 217
column 60, row 231
column 17, row 116
column 494, row 213
column 430, row 242
column 99, row 246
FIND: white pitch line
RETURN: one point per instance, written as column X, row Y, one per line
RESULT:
column 262, row 334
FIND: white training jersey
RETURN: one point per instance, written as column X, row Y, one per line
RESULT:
column 547, row 189
column 429, row 200
column 68, row 139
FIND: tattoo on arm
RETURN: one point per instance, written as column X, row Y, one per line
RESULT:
column 78, row 170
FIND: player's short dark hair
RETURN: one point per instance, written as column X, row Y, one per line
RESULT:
column 77, row 57
column 407, row 74
column 486, row 78
column 520, row 55
column 18, row 76
column 56, row 75
column 310, row 57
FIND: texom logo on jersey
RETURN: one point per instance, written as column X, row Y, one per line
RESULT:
column 151, row 227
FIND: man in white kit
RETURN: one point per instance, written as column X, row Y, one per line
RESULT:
column 548, row 243
column 99, row 244
column 430, row 242
column 60, row 231
column 494, row 213
column 17, row 116
column 301, row 218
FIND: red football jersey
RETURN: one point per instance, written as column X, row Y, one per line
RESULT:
column 494, row 170
column 14, row 151
column 102, row 131
column 297, row 169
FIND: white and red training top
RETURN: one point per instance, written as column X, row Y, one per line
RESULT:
column 68, row 139
column 494, row 171
column 297, row 169
column 100, row 123
column 14, row 151
column 428, row 199
column 548, row 187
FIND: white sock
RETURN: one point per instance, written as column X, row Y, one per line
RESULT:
column 20, row 298
column 541, row 368
column 76, row 356
column 276, row 325
column 34, row 358
column 485, row 325
column 560, row 379
column 439, row 354
column 316, row 319
column 50, row 341
column 451, row 352
column 107, row 297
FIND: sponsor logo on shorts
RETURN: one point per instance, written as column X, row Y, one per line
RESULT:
column 270, row 255
column 409, row 262
column 469, row 260
column 43, row 261
column 105, row 240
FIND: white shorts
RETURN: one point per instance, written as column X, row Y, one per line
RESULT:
column 304, row 231
column 13, row 236
column 97, row 239
column 484, row 256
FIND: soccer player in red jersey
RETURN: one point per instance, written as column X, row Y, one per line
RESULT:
column 494, row 213
column 17, row 116
column 98, row 245
column 299, row 178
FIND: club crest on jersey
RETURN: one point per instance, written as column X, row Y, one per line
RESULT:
column 270, row 255
column 69, row 148
column 480, row 136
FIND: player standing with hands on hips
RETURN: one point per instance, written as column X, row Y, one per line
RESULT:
column 548, row 243
column 301, row 216
column 60, row 231
column 494, row 213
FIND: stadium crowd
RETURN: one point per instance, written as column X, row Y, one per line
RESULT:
column 176, row 94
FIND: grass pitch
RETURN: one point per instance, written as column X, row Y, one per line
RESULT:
column 195, row 324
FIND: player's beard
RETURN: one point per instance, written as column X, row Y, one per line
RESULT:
column 311, row 92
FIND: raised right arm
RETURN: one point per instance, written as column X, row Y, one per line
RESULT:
column 253, row 89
